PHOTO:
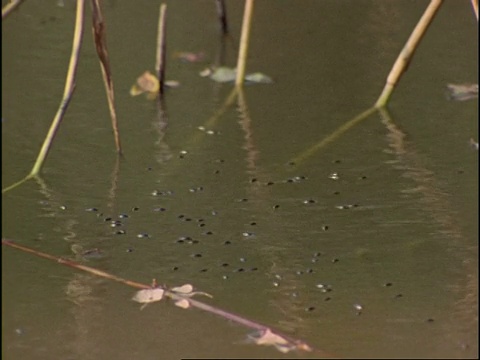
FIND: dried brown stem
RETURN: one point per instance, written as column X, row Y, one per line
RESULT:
column 161, row 49
column 98, row 28
column 222, row 15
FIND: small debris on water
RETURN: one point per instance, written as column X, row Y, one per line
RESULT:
column 474, row 144
column 347, row 206
column 358, row 307
column 248, row 234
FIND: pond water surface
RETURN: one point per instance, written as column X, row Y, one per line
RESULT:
column 363, row 246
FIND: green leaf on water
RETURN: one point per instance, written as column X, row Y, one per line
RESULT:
column 259, row 78
column 225, row 74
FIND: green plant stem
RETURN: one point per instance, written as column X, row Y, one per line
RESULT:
column 18, row 183
column 69, row 88
column 324, row 142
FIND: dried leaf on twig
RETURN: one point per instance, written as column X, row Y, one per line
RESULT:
column 187, row 291
column 148, row 83
column 184, row 303
column 267, row 337
column 148, row 296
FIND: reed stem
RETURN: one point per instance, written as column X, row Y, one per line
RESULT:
column 244, row 41
column 401, row 64
column 68, row 91
column 161, row 49
column 222, row 15
column 99, row 36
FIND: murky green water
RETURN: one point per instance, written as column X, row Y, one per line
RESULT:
column 384, row 216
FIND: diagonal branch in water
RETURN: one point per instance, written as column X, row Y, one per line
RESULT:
column 294, row 344
column 333, row 136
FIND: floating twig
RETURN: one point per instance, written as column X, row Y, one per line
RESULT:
column 98, row 28
column 181, row 295
column 403, row 59
column 75, row 265
column 244, row 41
